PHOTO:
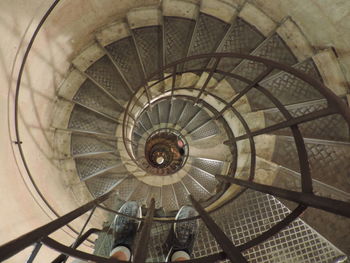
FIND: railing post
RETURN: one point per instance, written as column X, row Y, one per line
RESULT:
column 13, row 247
column 308, row 199
column 173, row 83
column 141, row 249
column 75, row 244
column 231, row 251
column 252, row 84
column 35, row 252
column 285, row 124
column 61, row 258
column 210, row 75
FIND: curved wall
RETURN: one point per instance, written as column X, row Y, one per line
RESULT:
column 66, row 32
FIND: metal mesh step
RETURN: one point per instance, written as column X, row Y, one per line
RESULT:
column 105, row 73
column 198, row 120
column 86, row 120
column 176, row 110
column 177, row 36
column 329, row 161
column 196, row 189
column 287, row 88
column 169, row 199
column 206, row 37
column 125, row 56
column 272, row 48
column 205, row 179
column 100, row 185
column 332, row 127
column 89, row 167
column 188, row 113
column 208, row 165
column 241, row 38
column 154, row 115
column 84, row 144
column 93, row 97
column 250, row 215
column 208, row 130
column 149, row 44
column 124, row 190
column 164, row 111
column 140, row 193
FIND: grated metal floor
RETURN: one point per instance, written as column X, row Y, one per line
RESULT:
column 247, row 217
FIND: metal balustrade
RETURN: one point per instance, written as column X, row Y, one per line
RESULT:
column 306, row 198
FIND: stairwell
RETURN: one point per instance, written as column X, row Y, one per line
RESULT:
column 121, row 115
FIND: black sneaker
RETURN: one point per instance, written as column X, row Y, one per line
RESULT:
column 125, row 228
column 183, row 234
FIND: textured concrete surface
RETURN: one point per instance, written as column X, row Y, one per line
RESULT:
column 325, row 23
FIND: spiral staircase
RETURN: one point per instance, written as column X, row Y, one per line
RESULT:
column 183, row 98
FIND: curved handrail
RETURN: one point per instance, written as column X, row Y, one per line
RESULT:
column 16, row 110
column 333, row 101
column 335, row 104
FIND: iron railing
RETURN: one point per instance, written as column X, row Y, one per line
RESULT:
column 305, row 198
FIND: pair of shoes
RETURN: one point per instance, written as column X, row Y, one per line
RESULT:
column 181, row 236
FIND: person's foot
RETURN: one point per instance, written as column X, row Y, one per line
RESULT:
column 183, row 233
column 125, row 228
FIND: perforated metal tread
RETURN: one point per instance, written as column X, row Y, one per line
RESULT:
column 90, row 167
column 86, row 120
column 92, row 96
column 177, row 37
column 332, row 127
column 197, row 121
column 329, row 161
column 210, row 129
column 287, row 88
column 125, row 56
column 140, row 193
column 164, row 111
column 241, row 38
column 206, row 37
column 105, row 183
column 153, row 113
column 272, row 48
column 196, row 189
column 168, row 198
column 85, row 144
column 150, row 47
column 209, row 165
column 250, row 215
column 189, row 112
column 204, row 179
column 176, row 110
column 104, row 72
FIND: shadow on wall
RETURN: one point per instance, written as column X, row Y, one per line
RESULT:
column 66, row 30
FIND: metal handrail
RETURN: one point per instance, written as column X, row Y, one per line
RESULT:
column 13, row 247
column 334, row 102
column 306, row 198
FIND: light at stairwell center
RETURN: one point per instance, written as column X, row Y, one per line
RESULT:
column 164, row 152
